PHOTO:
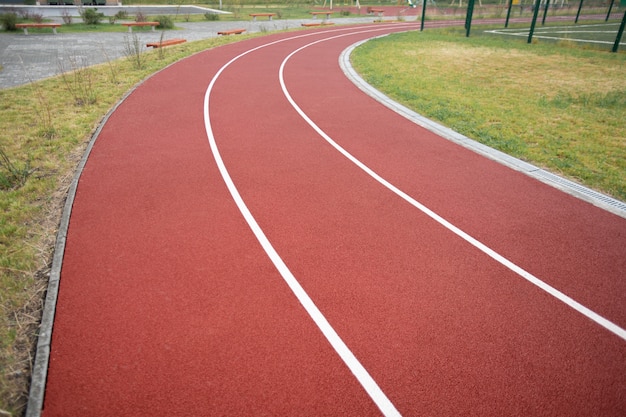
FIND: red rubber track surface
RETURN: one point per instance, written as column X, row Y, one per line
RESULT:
column 168, row 305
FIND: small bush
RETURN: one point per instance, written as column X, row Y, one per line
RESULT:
column 24, row 14
column 12, row 175
column 78, row 79
column 8, row 21
column 122, row 14
column 211, row 16
column 37, row 18
column 133, row 50
column 91, row 16
column 66, row 16
column 165, row 22
column 141, row 17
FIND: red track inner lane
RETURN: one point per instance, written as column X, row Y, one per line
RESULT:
column 168, row 303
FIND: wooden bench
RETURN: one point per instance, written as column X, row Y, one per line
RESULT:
column 164, row 43
column 327, row 13
column 379, row 12
column 268, row 15
column 25, row 26
column 231, row 32
column 131, row 24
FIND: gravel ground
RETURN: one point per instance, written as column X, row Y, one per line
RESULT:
column 26, row 58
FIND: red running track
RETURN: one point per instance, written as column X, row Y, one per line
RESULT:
column 169, row 304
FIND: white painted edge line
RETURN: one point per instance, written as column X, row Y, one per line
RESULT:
column 355, row 366
column 607, row 324
column 598, row 199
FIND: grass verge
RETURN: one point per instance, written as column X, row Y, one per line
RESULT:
column 560, row 107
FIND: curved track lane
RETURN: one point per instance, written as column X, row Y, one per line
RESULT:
column 169, row 303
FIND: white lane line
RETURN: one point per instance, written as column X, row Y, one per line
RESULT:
column 358, row 370
column 607, row 324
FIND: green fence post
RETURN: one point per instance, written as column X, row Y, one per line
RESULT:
column 423, row 14
column 545, row 12
column 620, row 32
column 468, row 18
column 508, row 14
column 609, row 12
column 534, row 21
column 580, row 6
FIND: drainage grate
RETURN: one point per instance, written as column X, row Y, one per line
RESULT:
column 581, row 189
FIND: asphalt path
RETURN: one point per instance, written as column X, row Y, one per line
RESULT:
column 251, row 234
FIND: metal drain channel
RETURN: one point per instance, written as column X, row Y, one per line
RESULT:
column 576, row 188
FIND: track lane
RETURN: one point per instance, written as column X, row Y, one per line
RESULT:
column 347, row 240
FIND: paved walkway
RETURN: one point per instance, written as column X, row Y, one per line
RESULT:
column 37, row 56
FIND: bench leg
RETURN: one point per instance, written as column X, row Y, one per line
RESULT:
column 254, row 18
column 270, row 18
column 153, row 28
column 54, row 30
column 25, row 31
column 130, row 29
